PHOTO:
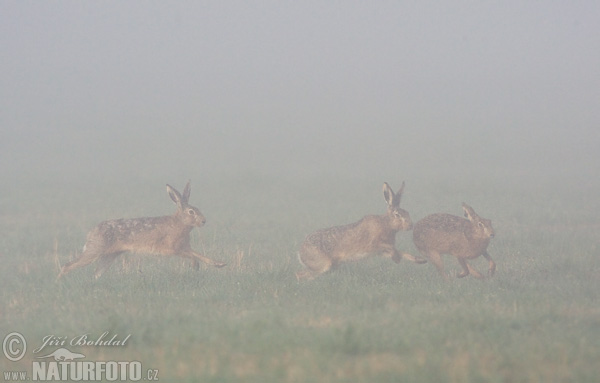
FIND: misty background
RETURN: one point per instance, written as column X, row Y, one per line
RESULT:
column 381, row 91
column 288, row 116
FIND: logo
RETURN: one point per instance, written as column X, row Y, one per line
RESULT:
column 14, row 346
column 63, row 364
column 62, row 355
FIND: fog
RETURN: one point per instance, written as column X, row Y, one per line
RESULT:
column 287, row 117
column 389, row 90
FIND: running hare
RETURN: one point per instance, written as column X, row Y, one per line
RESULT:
column 439, row 234
column 326, row 248
column 167, row 235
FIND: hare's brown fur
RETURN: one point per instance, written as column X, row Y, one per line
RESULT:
column 167, row 235
column 373, row 234
column 469, row 238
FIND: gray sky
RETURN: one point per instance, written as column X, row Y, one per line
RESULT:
column 181, row 87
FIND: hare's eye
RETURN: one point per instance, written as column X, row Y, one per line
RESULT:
column 191, row 212
column 481, row 225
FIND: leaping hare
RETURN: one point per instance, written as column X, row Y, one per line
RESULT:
column 469, row 238
column 167, row 235
column 327, row 248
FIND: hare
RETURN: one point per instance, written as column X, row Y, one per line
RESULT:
column 469, row 238
column 167, row 235
column 326, row 248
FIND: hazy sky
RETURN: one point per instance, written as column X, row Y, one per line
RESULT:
column 189, row 87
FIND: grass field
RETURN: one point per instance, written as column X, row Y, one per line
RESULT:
column 537, row 320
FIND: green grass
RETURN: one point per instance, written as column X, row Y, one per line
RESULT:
column 537, row 320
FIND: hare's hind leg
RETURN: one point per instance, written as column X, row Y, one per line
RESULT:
column 104, row 263
column 414, row 259
column 468, row 269
column 304, row 275
column 89, row 255
column 316, row 263
column 196, row 257
column 436, row 259
column 397, row 256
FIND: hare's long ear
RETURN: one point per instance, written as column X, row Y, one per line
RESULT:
column 185, row 197
column 399, row 194
column 175, row 196
column 388, row 194
column 469, row 212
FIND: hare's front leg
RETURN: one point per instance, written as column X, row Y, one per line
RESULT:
column 197, row 256
column 492, row 267
column 397, row 256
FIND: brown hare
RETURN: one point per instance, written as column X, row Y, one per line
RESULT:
column 469, row 238
column 373, row 234
column 167, row 235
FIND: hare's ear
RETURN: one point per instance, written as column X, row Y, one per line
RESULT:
column 175, row 196
column 185, row 197
column 399, row 193
column 469, row 212
column 388, row 194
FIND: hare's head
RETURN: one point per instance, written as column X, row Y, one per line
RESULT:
column 400, row 219
column 189, row 215
column 480, row 227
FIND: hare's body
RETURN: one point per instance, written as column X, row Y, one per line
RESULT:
column 150, row 235
column 440, row 234
column 326, row 248
column 167, row 235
